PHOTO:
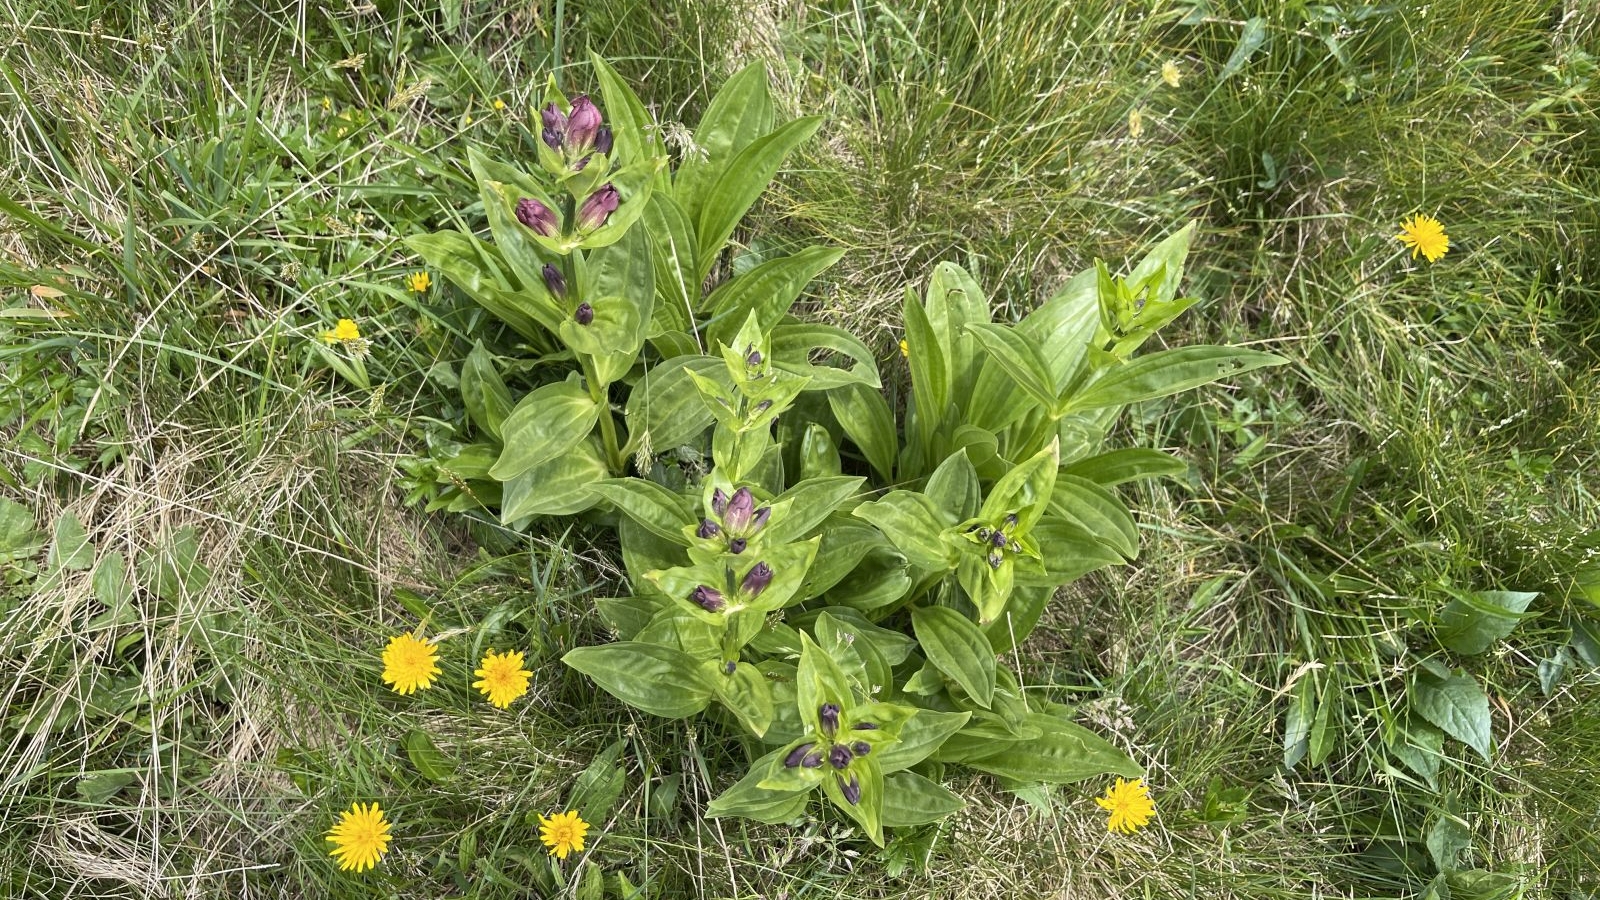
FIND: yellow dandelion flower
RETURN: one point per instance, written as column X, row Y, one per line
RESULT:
column 1129, row 804
column 1424, row 234
column 409, row 663
column 342, row 333
column 1136, row 123
column 327, row 104
column 502, row 678
column 563, row 833
column 466, row 120
column 418, row 282
column 361, row 838
column 1170, row 73
column 905, row 348
column 499, row 104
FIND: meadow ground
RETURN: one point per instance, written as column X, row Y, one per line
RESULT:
column 191, row 193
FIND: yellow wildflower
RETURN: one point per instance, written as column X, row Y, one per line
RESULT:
column 1424, row 234
column 1170, row 74
column 342, row 333
column 905, row 348
column 418, row 282
column 1135, row 123
column 1129, row 804
column 361, row 838
column 409, row 663
column 563, row 833
column 499, row 104
column 502, row 678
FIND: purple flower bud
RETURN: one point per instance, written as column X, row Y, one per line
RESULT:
column 861, row 748
column 753, row 358
column 1016, row 546
column 736, row 546
column 719, row 502
column 1011, row 520
column 552, row 138
column 759, row 520
column 582, row 124
column 708, row 598
column 737, row 518
column 599, row 207
column 584, row 315
column 851, row 789
column 995, row 559
column 812, row 760
column 983, row 534
column 708, row 529
column 828, row 714
column 578, row 166
column 729, row 667
column 797, row 755
column 763, row 406
column 603, row 140
column 997, row 539
column 555, row 281
column 537, row 216
column 554, row 120
column 757, row 580
column 864, row 726
column 839, row 756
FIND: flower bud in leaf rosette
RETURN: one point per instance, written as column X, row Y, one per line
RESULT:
column 997, row 540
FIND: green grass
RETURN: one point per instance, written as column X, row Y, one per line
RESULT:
column 204, row 217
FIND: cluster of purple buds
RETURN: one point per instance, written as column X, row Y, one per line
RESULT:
column 999, row 540
column 577, row 133
column 741, row 519
column 537, row 217
column 751, row 586
column 598, row 207
column 839, row 755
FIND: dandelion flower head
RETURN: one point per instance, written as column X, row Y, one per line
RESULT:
column 1129, row 804
column 361, row 838
column 502, row 678
column 409, row 663
column 1170, row 73
column 563, row 833
column 342, row 333
column 418, row 282
column 1424, row 234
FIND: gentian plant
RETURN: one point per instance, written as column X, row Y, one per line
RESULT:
column 840, row 580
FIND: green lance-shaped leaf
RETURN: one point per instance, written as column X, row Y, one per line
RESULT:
column 651, row 505
column 747, row 799
column 1063, row 753
column 766, row 291
column 745, row 693
column 484, row 393
column 954, row 486
column 954, row 302
column 1097, row 511
column 1473, row 620
column 920, row 737
column 739, row 186
column 634, row 183
column 793, row 345
column 1067, row 552
column 930, row 371
column 1017, row 355
column 633, row 131
column 426, row 758
column 914, row 525
column 672, row 249
column 740, row 113
column 545, row 425
column 819, row 456
column 665, row 408
column 910, row 799
column 956, row 645
column 1165, row 261
column 1116, row 467
column 865, row 417
column 558, row 487
column 479, row 271
column 1024, row 491
column 659, row 680
column 1457, row 705
column 1165, row 373
column 803, row 507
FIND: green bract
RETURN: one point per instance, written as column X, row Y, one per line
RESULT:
column 841, row 580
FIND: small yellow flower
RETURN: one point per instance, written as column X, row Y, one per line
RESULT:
column 502, row 678
column 1424, row 234
column 466, row 120
column 327, row 104
column 563, row 833
column 342, row 333
column 418, row 282
column 1135, row 123
column 905, row 348
column 1170, row 74
column 409, row 663
column 361, row 838
column 499, row 104
column 1129, row 804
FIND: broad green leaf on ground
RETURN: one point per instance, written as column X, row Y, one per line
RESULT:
column 1457, row 705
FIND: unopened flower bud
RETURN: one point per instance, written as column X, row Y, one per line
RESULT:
column 555, row 123
column 757, row 580
column 983, row 534
column 797, row 755
column 582, row 124
column 603, row 140
column 552, row 138
column 864, row 726
column 811, row 760
column 753, row 358
column 737, row 518
column 861, row 748
column 1016, row 546
column 758, row 521
column 537, row 217
column 584, row 314
column 763, row 406
column 582, row 161
column 599, row 207
column 851, row 789
column 708, row 598
column 839, row 756
column 828, row 716
column 729, row 667
column 1011, row 520
column 719, row 502
column 995, row 559
column 707, row 530
column 997, row 539
column 555, row 281
column 737, row 545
